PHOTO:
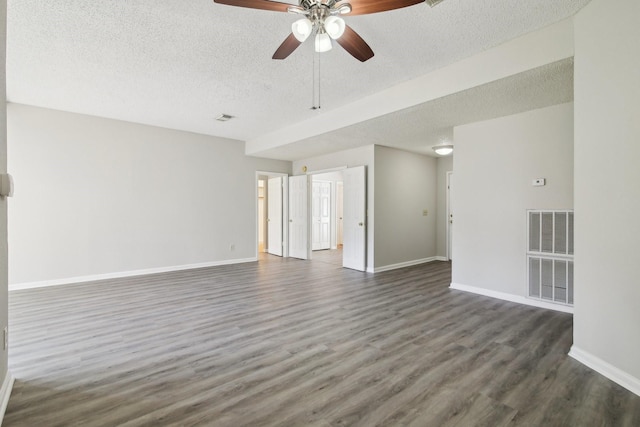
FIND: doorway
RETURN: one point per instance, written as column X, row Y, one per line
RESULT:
column 347, row 225
column 271, row 208
column 326, row 209
column 346, row 207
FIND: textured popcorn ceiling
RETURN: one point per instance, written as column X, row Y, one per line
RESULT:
column 179, row 64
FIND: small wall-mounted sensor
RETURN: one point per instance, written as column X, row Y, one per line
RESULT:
column 538, row 182
column 6, row 185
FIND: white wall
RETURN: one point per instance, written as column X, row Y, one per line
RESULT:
column 494, row 163
column 607, row 193
column 405, row 185
column 363, row 156
column 445, row 164
column 97, row 196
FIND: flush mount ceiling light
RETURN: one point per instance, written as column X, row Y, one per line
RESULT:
column 433, row 2
column 443, row 149
column 224, row 118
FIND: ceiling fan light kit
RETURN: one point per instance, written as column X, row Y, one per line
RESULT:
column 334, row 26
column 322, row 17
column 323, row 42
column 302, row 29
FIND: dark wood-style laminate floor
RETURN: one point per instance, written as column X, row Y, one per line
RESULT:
column 284, row 342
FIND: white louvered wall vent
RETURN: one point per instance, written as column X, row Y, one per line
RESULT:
column 550, row 255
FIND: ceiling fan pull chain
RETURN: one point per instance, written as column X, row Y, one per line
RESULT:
column 315, row 101
column 313, row 83
column 319, row 79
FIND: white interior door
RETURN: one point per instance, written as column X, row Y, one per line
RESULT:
column 354, row 253
column 298, row 210
column 339, row 213
column 321, row 215
column 274, row 216
column 449, row 215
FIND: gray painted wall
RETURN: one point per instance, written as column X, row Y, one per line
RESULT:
column 495, row 162
column 97, row 196
column 405, row 185
column 607, row 194
column 445, row 164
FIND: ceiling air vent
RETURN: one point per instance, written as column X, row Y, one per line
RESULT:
column 433, row 2
column 224, row 118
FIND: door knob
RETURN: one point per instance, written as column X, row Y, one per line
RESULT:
column 290, row 220
column 360, row 224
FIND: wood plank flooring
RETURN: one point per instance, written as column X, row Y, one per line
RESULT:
column 284, row 342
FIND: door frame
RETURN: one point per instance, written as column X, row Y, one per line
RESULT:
column 285, row 209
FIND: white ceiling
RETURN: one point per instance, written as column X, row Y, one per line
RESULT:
column 179, row 64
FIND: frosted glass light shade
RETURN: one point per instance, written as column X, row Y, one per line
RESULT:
column 301, row 29
column 323, row 42
column 443, row 149
column 334, row 26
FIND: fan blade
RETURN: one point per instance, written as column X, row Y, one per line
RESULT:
column 257, row 4
column 355, row 45
column 287, row 47
column 362, row 7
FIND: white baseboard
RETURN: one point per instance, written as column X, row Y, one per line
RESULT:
column 121, row 274
column 440, row 258
column 616, row 375
column 404, row 264
column 5, row 394
column 512, row 298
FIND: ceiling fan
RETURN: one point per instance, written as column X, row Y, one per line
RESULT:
column 322, row 18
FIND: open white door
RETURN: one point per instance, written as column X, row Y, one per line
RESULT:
column 354, row 253
column 449, row 225
column 339, row 214
column 274, row 216
column 321, row 215
column 298, row 211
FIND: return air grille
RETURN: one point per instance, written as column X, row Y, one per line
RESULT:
column 550, row 256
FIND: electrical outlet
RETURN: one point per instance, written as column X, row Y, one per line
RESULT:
column 425, row 212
